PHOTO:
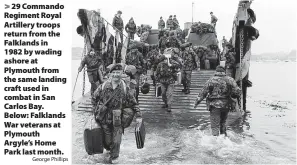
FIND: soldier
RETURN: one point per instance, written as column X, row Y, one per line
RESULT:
column 152, row 62
column 166, row 75
column 214, row 19
column 161, row 24
column 230, row 64
column 175, row 23
column 169, row 23
column 131, row 28
column 162, row 41
column 172, row 41
column 144, row 35
column 93, row 62
column 118, row 25
column 190, row 60
column 218, row 91
column 108, row 116
column 135, row 58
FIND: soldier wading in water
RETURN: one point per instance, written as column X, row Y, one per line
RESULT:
column 108, row 117
column 218, row 91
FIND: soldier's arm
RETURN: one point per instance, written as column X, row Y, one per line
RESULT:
column 82, row 64
column 141, row 59
column 235, row 91
column 132, row 103
column 96, row 96
column 114, row 22
column 205, row 90
column 126, row 28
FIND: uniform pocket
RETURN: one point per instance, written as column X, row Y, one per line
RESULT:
column 117, row 118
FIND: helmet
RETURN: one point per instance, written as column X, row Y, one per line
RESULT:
column 145, row 88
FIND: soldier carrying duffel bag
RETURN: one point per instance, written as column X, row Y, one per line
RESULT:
column 115, row 110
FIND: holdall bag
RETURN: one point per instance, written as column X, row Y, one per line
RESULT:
column 93, row 140
column 140, row 135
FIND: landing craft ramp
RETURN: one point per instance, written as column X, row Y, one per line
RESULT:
column 183, row 110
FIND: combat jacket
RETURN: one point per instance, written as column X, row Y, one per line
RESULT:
column 162, row 43
column 172, row 41
column 166, row 74
column 135, row 58
column 189, row 59
column 161, row 24
column 92, row 62
column 130, row 28
column 214, row 19
column 153, row 59
column 219, row 89
column 230, row 59
column 169, row 23
column 144, row 37
column 122, row 99
column 118, row 23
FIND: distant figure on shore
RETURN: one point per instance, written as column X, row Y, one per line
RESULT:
column 118, row 25
column 175, row 23
column 169, row 23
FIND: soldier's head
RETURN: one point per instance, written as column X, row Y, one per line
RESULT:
column 211, row 13
column 223, row 37
column 161, row 17
column 174, row 16
column 116, row 72
column 220, row 68
column 131, row 20
column 119, row 13
column 170, row 17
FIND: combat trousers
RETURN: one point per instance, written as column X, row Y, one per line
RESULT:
column 112, row 139
column 93, row 78
column 153, row 76
column 218, row 117
column 186, row 79
column 131, row 35
column 167, row 93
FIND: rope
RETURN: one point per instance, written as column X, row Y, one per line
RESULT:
column 84, row 75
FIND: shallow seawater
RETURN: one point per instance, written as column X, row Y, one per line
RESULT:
column 265, row 136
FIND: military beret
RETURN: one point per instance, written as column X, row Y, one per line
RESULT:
column 119, row 12
column 117, row 66
column 220, row 68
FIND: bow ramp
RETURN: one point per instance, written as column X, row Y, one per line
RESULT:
column 182, row 108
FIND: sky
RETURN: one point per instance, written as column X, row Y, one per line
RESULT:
column 276, row 19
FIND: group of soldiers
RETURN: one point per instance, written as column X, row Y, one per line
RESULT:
column 165, row 60
column 171, row 23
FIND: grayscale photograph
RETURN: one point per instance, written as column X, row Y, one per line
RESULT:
column 184, row 82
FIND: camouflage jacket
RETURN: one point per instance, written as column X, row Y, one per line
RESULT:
column 230, row 59
column 219, row 89
column 144, row 37
column 167, row 74
column 175, row 22
column 153, row 59
column 135, row 58
column 92, row 62
column 214, row 19
column 162, row 42
column 122, row 99
column 172, row 41
column 130, row 28
column 118, row 23
column 169, row 23
column 189, row 59
column 161, row 24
